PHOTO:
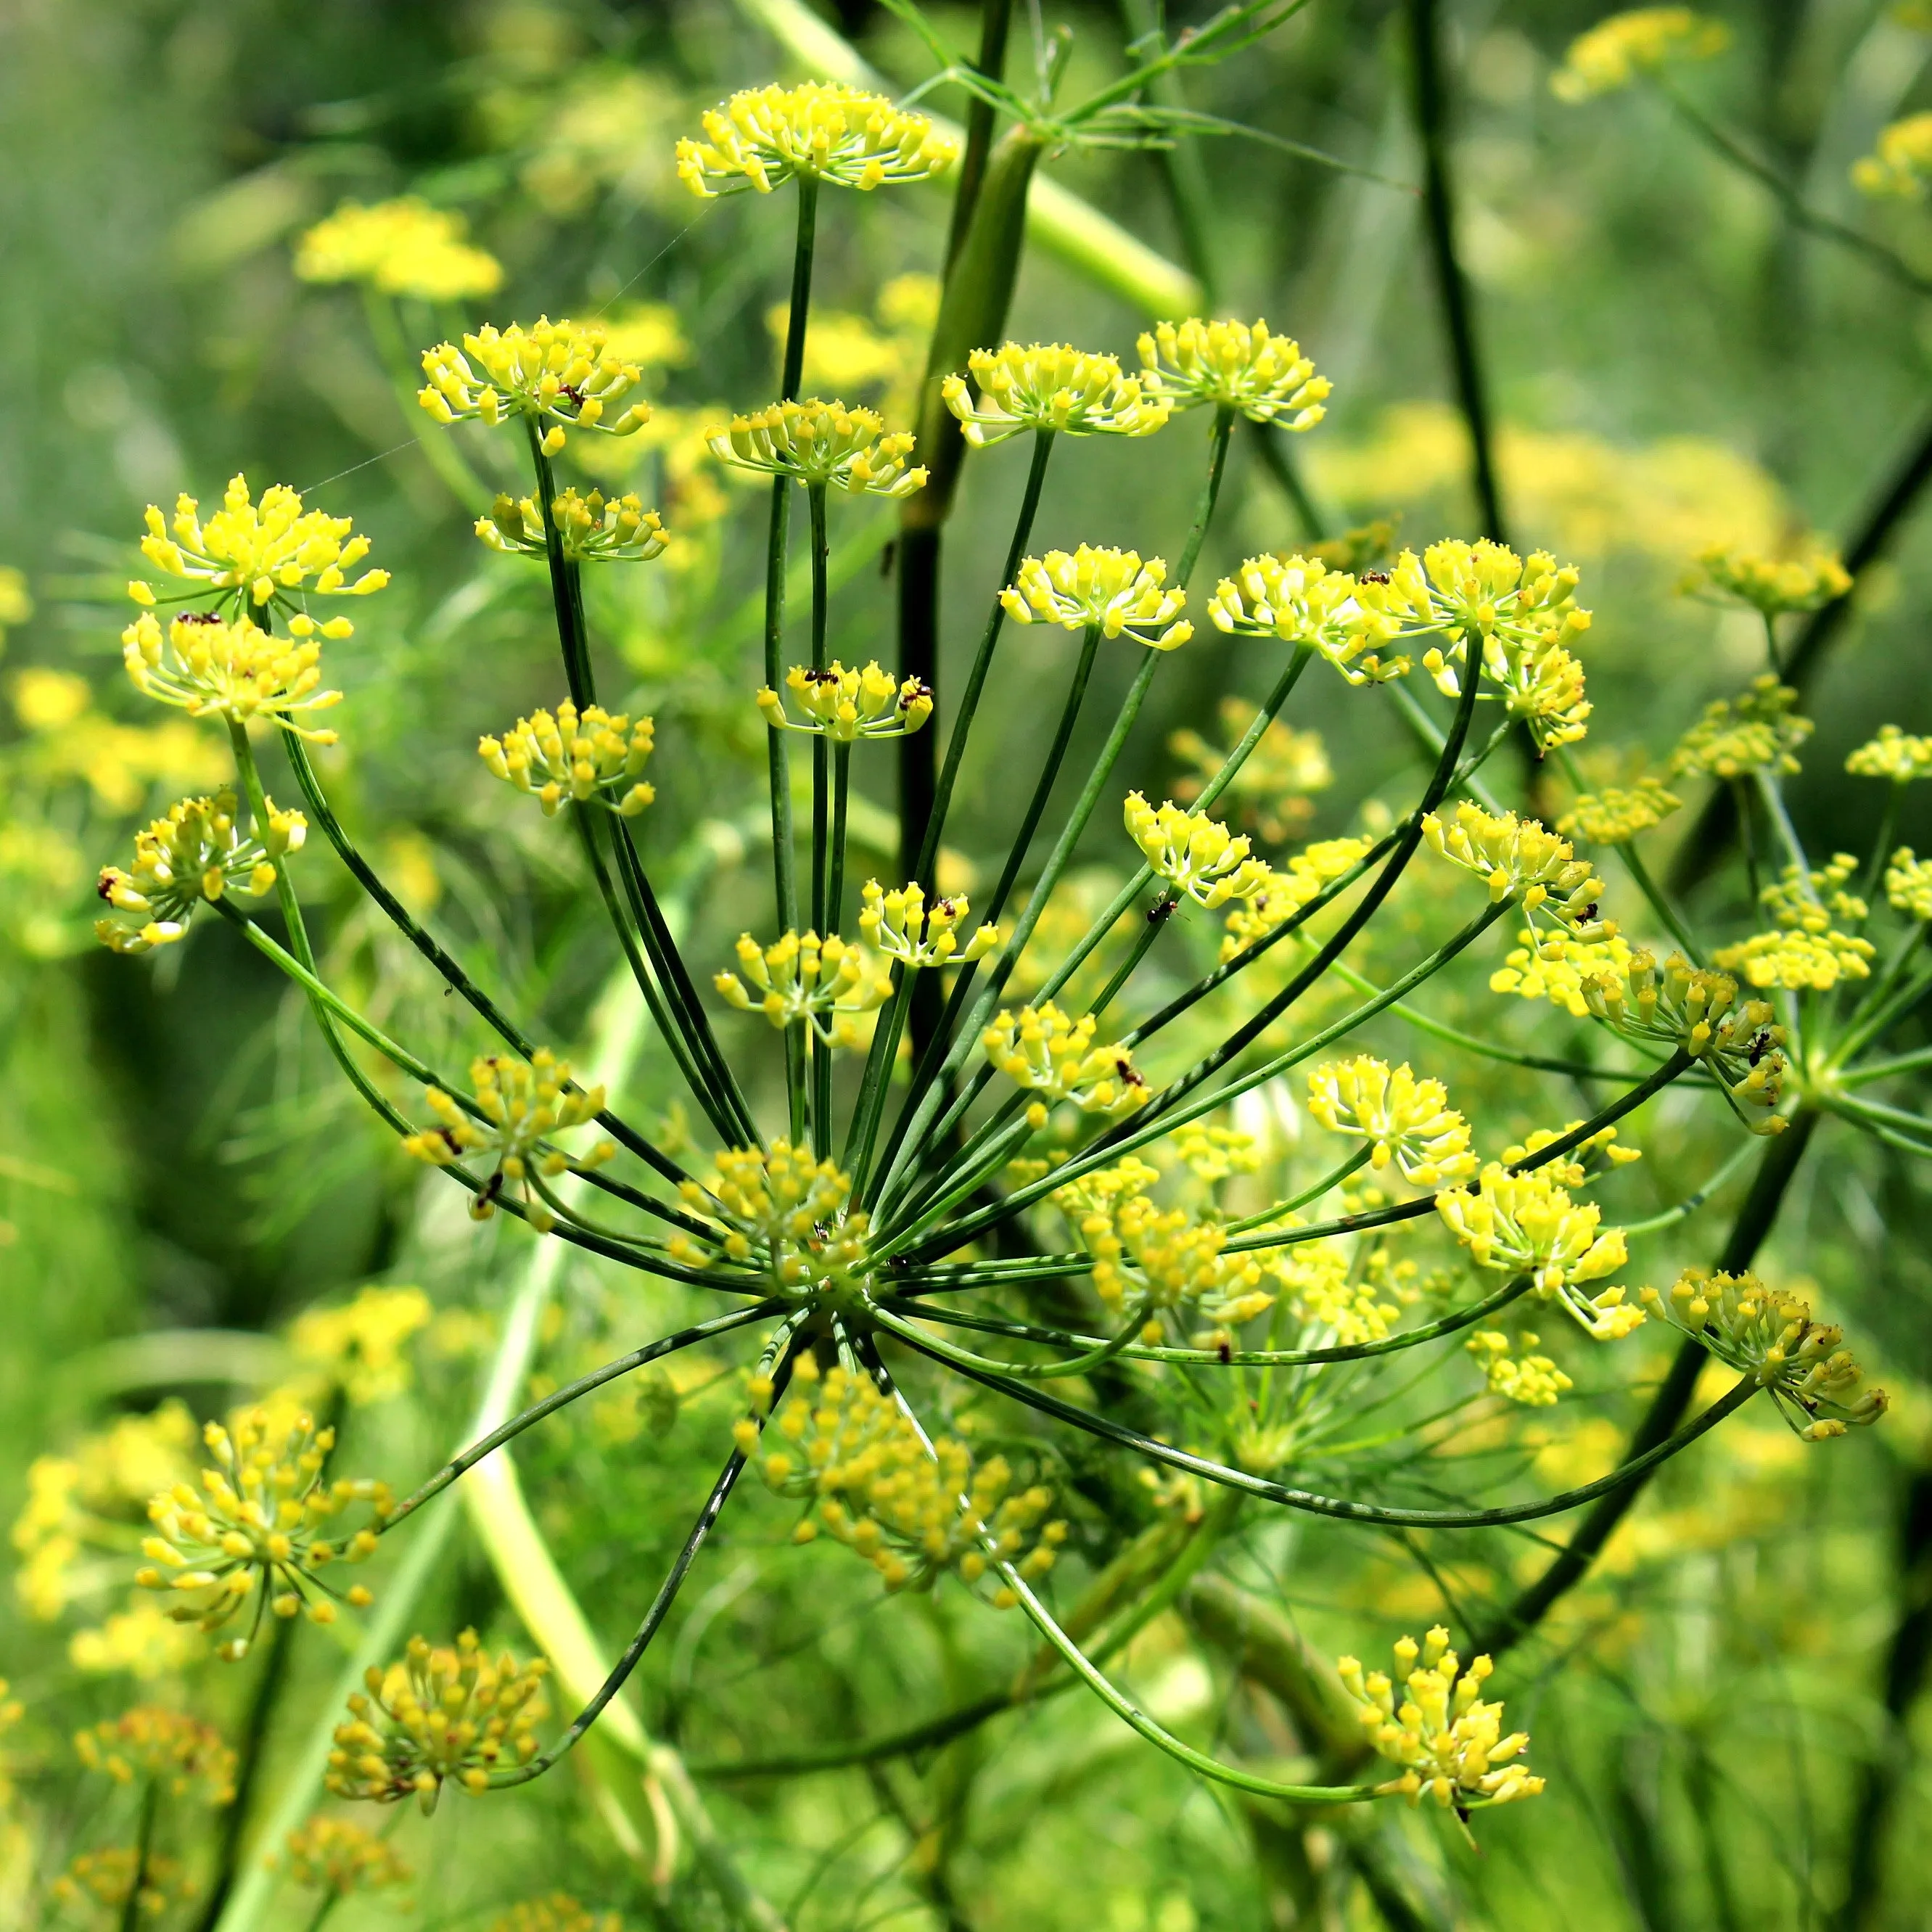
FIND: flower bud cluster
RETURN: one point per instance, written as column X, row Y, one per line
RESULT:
column 1645, row 41
column 559, row 371
column 1770, row 585
column 1517, row 858
column 403, row 247
column 1198, row 856
column 1893, row 755
column 762, row 136
column 151, row 1744
column 1534, row 1381
column 1908, row 884
column 1111, row 589
column 1901, row 164
column 441, row 1713
column 592, row 529
column 1327, row 1292
column 1234, row 365
column 898, row 925
column 593, row 756
column 1758, row 731
column 1798, row 959
column 846, row 705
column 1617, row 814
column 828, row 445
column 1553, row 966
column 1051, row 387
column 1044, row 1051
column 338, row 1856
column 1308, row 874
column 360, row 1345
column 1301, row 601
column 235, row 670
column 801, row 979
column 783, row 1210
column 1270, row 794
column 1404, row 1120
column 557, row 1912
column 107, row 1877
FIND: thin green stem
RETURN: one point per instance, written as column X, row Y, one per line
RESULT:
column 841, row 801
column 1773, row 794
column 438, row 449
column 793, row 371
column 1218, row 439
column 144, row 1856
column 777, row 753
column 1333, row 1179
column 870, row 1108
column 1887, row 826
column 1659, row 901
column 821, row 773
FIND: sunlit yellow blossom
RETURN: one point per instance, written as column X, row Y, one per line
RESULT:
column 1326, row 1291
column 518, row 1106
column 1893, row 755
column 1771, row 1337
column 180, row 1753
column 899, row 925
column 253, row 1529
column 1044, row 1051
column 1908, row 884
column 1534, row 1381
column 1795, row 959
column 1212, row 1154
column 762, row 136
column 404, row 247
column 1518, row 860
column 1756, row 731
column 1901, row 164
column 361, row 1344
column 1149, row 1260
column 1812, row 901
column 1554, row 967
column 1304, row 877
column 1618, row 813
column 211, row 668
column 831, row 445
column 1450, row 1744
column 1110, row 588
column 784, row 1209
column 260, row 553
column 1197, row 856
column 594, row 756
column 1270, row 794
column 801, row 978
column 1234, row 365
column 846, row 705
column 197, row 852
column 648, row 334
column 142, row 1641
column 1769, row 585
column 1525, row 1224
column 440, row 1714
column 1043, row 386
column 1645, row 41
column 1300, row 600
column 592, row 529
column 118, row 763
column 1403, row 1120
column 563, row 371
column 847, row 1450
column 339, row 1856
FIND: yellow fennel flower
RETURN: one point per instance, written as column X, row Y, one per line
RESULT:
column 252, row 1530
column 1645, row 41
column 800, row 979
column 557, row 1912
column 1901, row 164
column 1212, row 1154
column 1300, row 600
column 1892, row 754
column 846, row 705
column 1269, row 793
column 1525, row 1224
column 1234, row 365
column 107, row 1877
column 847, row 1451
column 1518, row 860
column 403, row 247
column 833, row 446
column 1198, row 856
column 1908, row 884
column 1325, row 1292
column 1771, row 1337
column 1050, row 386
column 592, row 757
column 1309, row 874
column 171, row 1748
column 338, row 1856
column 1554, row 967
column 1796, row 959
column 360, row 1345
column 441, row 1713
column 1618, row 813
column 142, row 1641
column 1756, row 731
column 899, row 925
column 563, row 372
column 1042, row 1050
column 1770, row 585
column 1450, row 1744
column 592, row 529
column 762, row 136
column 1403, row 1120
column 198, row 852
column 1809, row 902
column 1534, row 1381
column 518, row 1107
column 1111, row 589
column 784, row 1210
column 1149, row 1260
column 211, row 667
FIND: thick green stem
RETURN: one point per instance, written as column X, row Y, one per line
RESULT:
column 777, row 753
column 841, row 802
column 144, row 1856
column 995, row 20
column 814, row 496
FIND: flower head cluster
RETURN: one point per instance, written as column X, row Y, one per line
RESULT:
column 1908, row 884
column 846, row 705
column 1234, row 365
column 899, row 925
column 800, row 979
column 1645, row 41
column 1518, row 860
column 1534, row 1381
column 1554, row 967
column 403, row 247
column 1212, row 1154
column 847, row 1451
column 339, row 1856
column 1049, row 386
column 361, row 1345
column 592, row 529
column 785, row 1208
column 1404, row 1121
column 1043, row 1052
column 763, row 136
column 1300, row 600
column 1327, row 1291
column 826, row 446
column 1770, row 585
column 1901, row 164
column 1450, row 1744
column 254, row 1528
column 260, row 552
column 1798, row 961
column 1893, row 755
column 593, row 756
column 1771, row 1337
column 1271, row 793
column 557, row 1912
column 517, row 1107
column 1199, row 856
column 561, row 371
column 1756, row 731
column 1525, row 1224
column 108, row 1878
column 199, row 852
column 151, row 1743
column 1618, row 813
column 233, row 670
column 441, row 1713
column 1110, row 588
column 1308, row 874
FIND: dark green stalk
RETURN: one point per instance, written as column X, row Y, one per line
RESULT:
column 857, row 1159
column 792, row 371
column 144, row 1853
column 815, row 497
column 995, row 19
column 324, row 1910
column 841, row 801
column 797, row 1077
column 778, row 755
column 565, row 593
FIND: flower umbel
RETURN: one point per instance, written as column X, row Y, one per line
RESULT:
column 1770, row 585
column 800, row 978
column 1893, row 755
column 898, row 925
column 1756, row 731
column 403, row 247
column 1645, row 41
column 1234, row 365
column 592, row 529
column 845, row 705
column 562, row 372
column 175, row 1751
column 212, row 668
column 1110, row 588
column 1618, row 813
column 762, row 136
column 593, row 756
column 1403, row 1120
column 1041, row 1049
column 1901, row 164
column 783, row 1210
column 1199, row 858
column 1042, row 386
column 339, row 1856
column 1518, row 860
column 1300, row 600
column 829, row 445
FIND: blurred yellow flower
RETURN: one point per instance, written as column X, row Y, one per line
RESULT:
column 403, row 247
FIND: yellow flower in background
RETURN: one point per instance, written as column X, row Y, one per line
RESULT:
column 338, row 1856
column 1645, row 41
column 1044, row 1051
column 17, row 603
column 1892, row 754
column 1908, row 884
column 1305, row 876
column 1901, row 164
column 1759, row 731
column 1769, row 585
column 107, row 1877
column 1797, row 960
column 1235, row 365
column 1300, row 601
column 403, row 247
column 1618, row 813
column 820, row 444
column 1197, row 856
column 176, row 1751
column 557, row 1912
column 1269, row 793
column 142, row 1641
column 761, row 137
column 647, row 334
column 846, row 354
column 1110, row 588
column 846, row 705
column 1533, row 1380
column 362, row 1345
column 1050, row 386
column 594, row 756
column 1403, row 1120
column 1325, row 1290
column 564, row 372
